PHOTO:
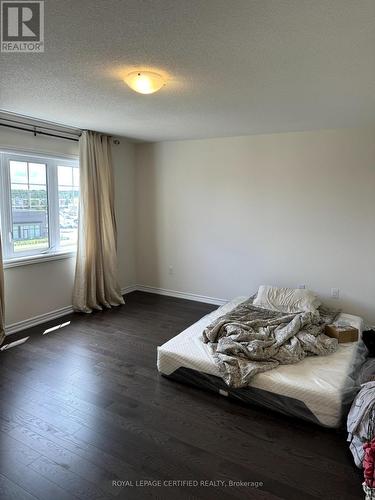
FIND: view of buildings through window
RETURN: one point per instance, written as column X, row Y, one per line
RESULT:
column 42, row 212
column 29, row 205
column 68, row 184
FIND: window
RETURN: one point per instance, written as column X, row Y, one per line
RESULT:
column 68, row 183
column 39, row 205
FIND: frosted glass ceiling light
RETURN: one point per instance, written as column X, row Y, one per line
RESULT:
column 144, row 82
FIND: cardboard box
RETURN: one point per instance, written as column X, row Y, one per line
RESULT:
column 342, row 333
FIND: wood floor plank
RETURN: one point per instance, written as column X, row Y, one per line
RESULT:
column 42, row 440
column 11, row 491
column 32, row 482
column 61, row 475
column 12, row 450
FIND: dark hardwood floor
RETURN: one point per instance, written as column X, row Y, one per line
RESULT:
column 84, row 406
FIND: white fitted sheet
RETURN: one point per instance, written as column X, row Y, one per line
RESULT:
column 321, row 382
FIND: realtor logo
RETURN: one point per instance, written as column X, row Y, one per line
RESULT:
column 22, row 26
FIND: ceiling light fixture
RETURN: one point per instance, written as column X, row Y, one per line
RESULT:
column 144, row 82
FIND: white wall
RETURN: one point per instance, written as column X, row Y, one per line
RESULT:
column 123, row 156
column 228, row 214
column 285, row 209
column 37, row 289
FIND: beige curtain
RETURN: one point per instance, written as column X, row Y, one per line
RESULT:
column 2, row 319
column 96, row 283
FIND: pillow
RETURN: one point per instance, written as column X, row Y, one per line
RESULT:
column 287, row 300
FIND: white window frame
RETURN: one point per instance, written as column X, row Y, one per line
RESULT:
column 54, row 250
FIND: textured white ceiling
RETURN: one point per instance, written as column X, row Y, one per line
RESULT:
column 235, row 66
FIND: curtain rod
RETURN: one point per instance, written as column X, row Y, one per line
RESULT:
column 56, row 128
column 36, row 132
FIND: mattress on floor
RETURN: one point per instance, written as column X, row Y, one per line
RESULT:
column 323, row 385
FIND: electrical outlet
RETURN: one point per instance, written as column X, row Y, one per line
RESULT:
column 170, row 270
column 335, row 293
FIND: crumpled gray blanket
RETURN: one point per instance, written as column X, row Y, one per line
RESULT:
column 360, row 421
column 250, row 340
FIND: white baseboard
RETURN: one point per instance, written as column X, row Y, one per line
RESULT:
column 37, row 320
column 128, row 289
column 181, row 295
column 58, row 313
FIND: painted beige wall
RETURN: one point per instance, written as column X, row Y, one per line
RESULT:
column 286, row 209
column 123, row 156
column 36, row 289
column 229, row 214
